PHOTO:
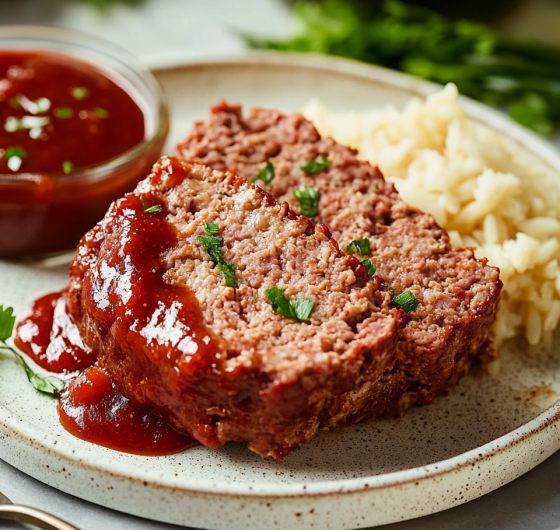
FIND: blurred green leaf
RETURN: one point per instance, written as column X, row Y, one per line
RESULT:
column 497, row 70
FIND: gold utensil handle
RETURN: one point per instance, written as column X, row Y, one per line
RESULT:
column 24, row 514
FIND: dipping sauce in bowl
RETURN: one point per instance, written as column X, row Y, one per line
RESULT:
column 80, row 124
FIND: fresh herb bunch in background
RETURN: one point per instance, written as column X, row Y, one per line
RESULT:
column 522, row 77
column 104, row 4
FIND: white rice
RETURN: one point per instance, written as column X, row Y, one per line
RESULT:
column 480, row 186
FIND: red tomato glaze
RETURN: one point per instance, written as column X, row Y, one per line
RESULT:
column 91, row 408
column 141, row 319
column 58, row 114
column 50, row 337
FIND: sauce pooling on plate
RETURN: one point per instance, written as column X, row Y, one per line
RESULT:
column 91, row 408
column 50, row 337
column 59, row 114
column 132, row 298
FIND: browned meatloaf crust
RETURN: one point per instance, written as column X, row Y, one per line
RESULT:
column 457, row 293
column 253, row 375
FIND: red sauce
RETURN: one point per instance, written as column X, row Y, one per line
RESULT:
column 59, row 115
column 145, row 323
column 135, row 309
column 62, row 114
column 50, row 337
column 91, row 408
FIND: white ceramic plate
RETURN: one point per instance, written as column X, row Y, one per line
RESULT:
column 487, row 433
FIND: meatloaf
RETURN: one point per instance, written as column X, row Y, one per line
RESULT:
column 458, row 294
column 174, row 291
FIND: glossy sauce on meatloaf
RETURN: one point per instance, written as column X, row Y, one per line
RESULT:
column 458, row 294
column 215, row 361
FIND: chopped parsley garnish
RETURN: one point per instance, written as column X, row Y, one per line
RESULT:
column 229, row 273
column 316, row 167
column 213, row 247
column 266, row 174
column 67, row 167
column 14, row 156
column 371, row 268
column 101, row 113
column 211, row 229
column 156, row 208
column 7, row 322
column 300, row 308
column 358, row 245
column 63, row 113
column 79, row 92
column 223, row 193
column 308, row 198
column 14, row 151
column 47, row 384
column 406, row 300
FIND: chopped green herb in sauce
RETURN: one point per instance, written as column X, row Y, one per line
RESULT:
column 47, row 384
column 213, row 247
column 156, row 208
column 101, row 113
column 358, row 245
column 211, row 229
column 371, row 268
column 67, row 167
column 308, row 198
column 223, row 193
column 316, row 167
column 300, row 308
column 63, row 113
column 14, row 156
column 14, row 151
column 229, row 273
column 406, row 300
column 266, row 174
column 79, row 92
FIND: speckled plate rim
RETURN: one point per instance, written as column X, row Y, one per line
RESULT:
column 106, row 465
column 476, row 111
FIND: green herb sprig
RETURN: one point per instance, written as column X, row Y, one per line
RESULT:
column 518, row 76
column 316, row 167
column 308, row 198
column 300, row 308
column 49, row 385
column 266, row 174
column 14, row 157
column 371, row 268
column 213, row 247
column 406, row 300
column 359, row 245
column 155, row 208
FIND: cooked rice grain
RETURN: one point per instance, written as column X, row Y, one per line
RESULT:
column 486, row 191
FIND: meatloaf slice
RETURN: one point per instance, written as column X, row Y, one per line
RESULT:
column 457, row 293
column 214, row 360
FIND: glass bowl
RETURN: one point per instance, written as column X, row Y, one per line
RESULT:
column 46, row 214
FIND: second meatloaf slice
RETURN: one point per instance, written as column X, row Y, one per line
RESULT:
column 457, row 293
column 171, row 290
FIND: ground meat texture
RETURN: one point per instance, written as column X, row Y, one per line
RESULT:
column 216, row 361
column 457, row 293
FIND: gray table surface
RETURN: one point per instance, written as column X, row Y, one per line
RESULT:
column 192, row 28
